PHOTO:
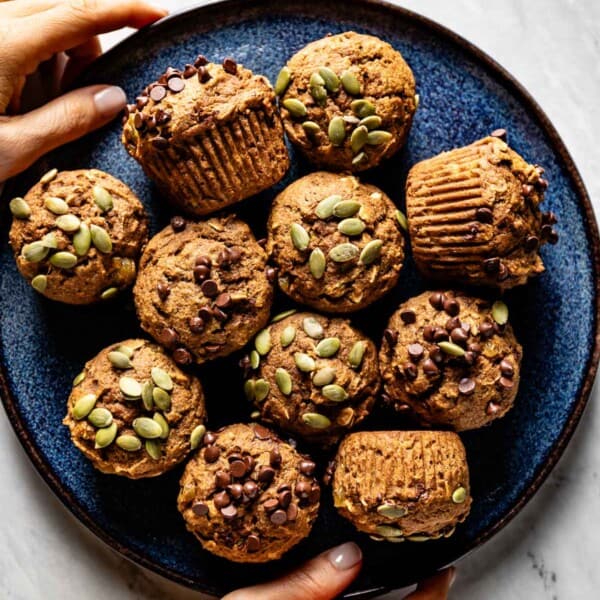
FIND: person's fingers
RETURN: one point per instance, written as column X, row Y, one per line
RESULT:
column 321, row 578
column 434, row 588
column 80, row 58
column 64, row 119
column 24, row 8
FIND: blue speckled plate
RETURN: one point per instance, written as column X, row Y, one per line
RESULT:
column 464, row 95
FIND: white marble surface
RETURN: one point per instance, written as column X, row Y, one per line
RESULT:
column 551, row 550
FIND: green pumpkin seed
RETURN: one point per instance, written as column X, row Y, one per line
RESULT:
column 147, row 398
column 356, row 354
column 249, row 385
column 109, row 293
column 126, row 350
column 417, row 101
column 500, row 312
column 102, row 198
column 324, row 376
column 311, row 128
column 39, row 283
column 362, row 108
column 130, row 387
column 304, row 362
column 391, row 511
column 106, row 436
column 82, row 240
column 161, row 399
column 377, row 538
column 262, row 342
column 359, row 138
column 287, row 336
column 19, row 208
column 69, row 223
column 300, row 237
column 378, row 137
column 328, row 347
column 317, row 263
column 129, row 443
column 63, row 260
column 418, row 538
column 346, row 208
column 100, row 417
column 318, row 92
column 78, row 378
column 255, row 414
column 56, row 205
column 84, row 406
column 312, row 328
column 163, row 425
column 316, row 79
column 402, row 220
column 324, row 209
column 350, row 83
column 147, row 428
column 359, row 158
column 197, row 435
column 283, row 80
column 388, row 532
column 35, row 252
column 295, row 107
column 331, row 80
column 283, row 315
column 459, row 495
column 119, row 360
column 337, row 131
column 261, row 390
column 153, row 448
column 451, row 349
column 161, row 378
column 334, row 393
column 49, row 241
column 316, row 420
column 101, row 239
column 284, row 381
column 343, row 253
column 351, row 227
column 371, row 122
column 395, row 540
column 49, row 176
column 254, row 359
column 371, row 252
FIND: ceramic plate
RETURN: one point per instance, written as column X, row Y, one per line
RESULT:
column 464, row 96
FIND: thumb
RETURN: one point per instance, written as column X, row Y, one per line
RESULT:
column 24, row 138
column 434, row 588
column 321, row 578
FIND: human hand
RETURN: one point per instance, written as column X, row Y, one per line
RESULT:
column 31, row 33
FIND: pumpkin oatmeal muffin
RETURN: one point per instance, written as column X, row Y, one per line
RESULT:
column 77, row 235
column 248, row 496
column 312, row 376
column 204, row 288
column 133, row 412
column 451, row 359
column 402, row 485
column 347, row 101
column 337, row 243
column 209, row 135
column 474, row 215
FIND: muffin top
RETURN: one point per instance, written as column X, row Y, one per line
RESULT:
column 203, row 288
column 133, row 412
column 247, row 495
column 313, row 376
column 77, row 234
column 452, row 359
column 337, row 243
column 347, row 100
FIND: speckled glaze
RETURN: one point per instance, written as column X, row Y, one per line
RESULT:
column 464, row 95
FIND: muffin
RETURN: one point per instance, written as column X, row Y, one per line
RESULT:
column 337, row 242
column 474, row 216
column 133, row 412
column 402, row 485
column 248, row 496
column 451, row 359
column 204, row 288
column 313, row 376
column 77, row 235
column 209, row 135
column 347, row 101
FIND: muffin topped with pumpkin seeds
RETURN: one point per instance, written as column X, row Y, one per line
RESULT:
column 77, row 235
column 347, row 101
column 312, row 376
column 133, row 412
column 337, row 243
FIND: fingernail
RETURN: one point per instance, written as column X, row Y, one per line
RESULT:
column 452, row 576
column 110, row 101
column 345, row 556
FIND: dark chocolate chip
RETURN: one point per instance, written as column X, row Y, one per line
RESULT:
column 503, row 272
column 271, row 274
column 159, row 142
column 210, row 288
column 292, row 512
column 238, row 468
column 204, row 261
column 469, row 358
column 302, row 489
column 176, row 84
column 141, row 101
column 275, row 457
column 428, row 332
column 209, row 438
column 236, row 491
column 499, row 133
column 410, row 370
column 315, row 494
column 182, row 356
column 408, row 316
column 451, row 306
column 492, row 408
column 189, row 71
column 223, row 300
column 549, row 218
column 158, row 92
column 219, row 314
column 200, row 508
column 201, row 272
column 474, row 347
column 252, row 544
column 285, row 498
column 203, row 74
column 491, row 265
column 271, row 504
column 229, row 512
column 429, row 367
column 178, row 223
column 200, row 61
column 250, row 489
column 221, row 499
column 452, row 323
column 279, row 517
column 211, row 454
column 553, row 237
column 262, row 433
column 526, row 190
column 391, row 337
column 168, row 337
column 437, row 300
column 459, row 336
column 436, row 355
column 162, row 117
column 486, row 330
column 484, row 215
column 222, row 479
column 230, row 66
column 507, row 369
column 415, row 351
column 266, row 474
column 506, row 383
column 543, row 183
column 307, row 467
column 163, row 289
column 440, row 335
column 466, row 386
column 205, row 313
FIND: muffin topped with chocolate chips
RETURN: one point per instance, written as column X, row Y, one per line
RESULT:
column 312, row 376
column 248, row 496
column 337, row 243
column 209, row 135
column 347, row 101
column 204, row 288
column 133, row 412
column 474, row 215
column 451, row 359
column 77, row 235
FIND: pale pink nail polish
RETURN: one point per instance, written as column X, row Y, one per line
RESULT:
column 345, row 556
column 110, row 101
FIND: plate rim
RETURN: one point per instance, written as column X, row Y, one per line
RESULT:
column 236, row 11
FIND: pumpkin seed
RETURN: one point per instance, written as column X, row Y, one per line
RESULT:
column 317, row 263
column 106, row 436
column 350, row 83
column 402, row 220
column 351, row 226
column 316, row 420
column 284, row 283
column 391, row 511
column 300, row 237
column 49, row 241
column 304, row 362
column 39, row 283
column 362, row 108
column 63, row 260
column 254, row 359
column 346, row 208
column 101, row 239
column 388, row 532
column 249, row 389
column 197, row 435
column 262, row 342
column 377, row 538
column 395, row 540
column 337, row 131
column 161, row 378
column 287, row 336
column 500, row 312
column 102, row 198
column 100, row 417
column 328, row 347
column 153, row 448
column 126, row 350
column 282, row 315
column 356, row 354
column 371, row 252
column 351, row 119
column 147, row 396
column 109, row 293
column 261, row 390
column 283, row 80
column 82, row 240
column 311, row 128
column 49, row 176
column 335, row 393
column 331, row 80
column 359, row 138
column 119, row 360
column 284, row 381
column 324, row 376
column 35, row 252
column 371, row 122
column 78, row 378
column 19, row 208
column 451, row 349
column 295, row 107
column 130, row 387
column 84, row 406
column 417, row 101
column 343, row 253
column 459, row 495
column 56, row 205
column 324, row 209
column 378, row 136
column 418, row 538
column 359, row 158
column 163, row 425
column 161, row 399
column 318, row 92
column 69, row 223
column 255, row 414
column 312, row 328
column 129, row 443
column 147, row 428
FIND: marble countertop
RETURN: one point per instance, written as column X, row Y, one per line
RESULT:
column 550, row 551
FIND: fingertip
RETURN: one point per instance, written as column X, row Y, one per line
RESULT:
column 109, row 101
column 346, row 556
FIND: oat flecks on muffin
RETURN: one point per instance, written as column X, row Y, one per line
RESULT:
column 451, row 359
column 402, row 485
column 248, row 496
column 474, row 215
column 133, row 412
column 77, row 235
column 347, row 101
column 337, row 243
column 209, row 135
column 204, row 288
column 312, row 376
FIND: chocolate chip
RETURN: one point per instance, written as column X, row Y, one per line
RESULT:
column 222, row 479
column 210, row 288
column 238, row 468
column 203, row 74
column 266, row 474
column 499, row 133
column 526, row 190
column 162, row 117
column 315, row 494
column 271, row 274
column 484, row 215
column 252, row 544
column 209, row 438
column 230, row 66
column 229, row 512
column 211, row 454
column 176, row 84
column 275, row 457
column 139, row 122
column 271, row 504
column 415, row 351
column 459, row 336
column 506, row 383
column 491, row 265
column 189, row 71
column 410, row 370
column 429, row 367
column 200, row 509
column 279, row 517
column 223, row 300
column 439, row 335
column 200, row 61
column 219, row 314
column 553, row 237
column 451, row 306
column 163, row 290
column 178, row 223
column 466, row 386
column 160, row 143
column 452, row 323
column 141, row 101
column 437, row 300
column 283, row 487
column 486, row 330
column 250, row 463
column 182, row 356
column 469, row 358
column 408, row 316
column 292, row 512
column 307, row 467
column 549, row 218
column 285, row 498
column 542, row 183
column 507, row 369
column 168, row 337
column 205, row 313
column 204, row 261
column 221, row 499
column 234, row 254
column 391, row 337
column 474, row 347
column 236, row 491
column 492, row 408
column 428, row 332
column 158, row 92
column 302, row 489
column 436, row 355
column 262, row 242
column 250, row 489
column 503, row 272
column 262, row 433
